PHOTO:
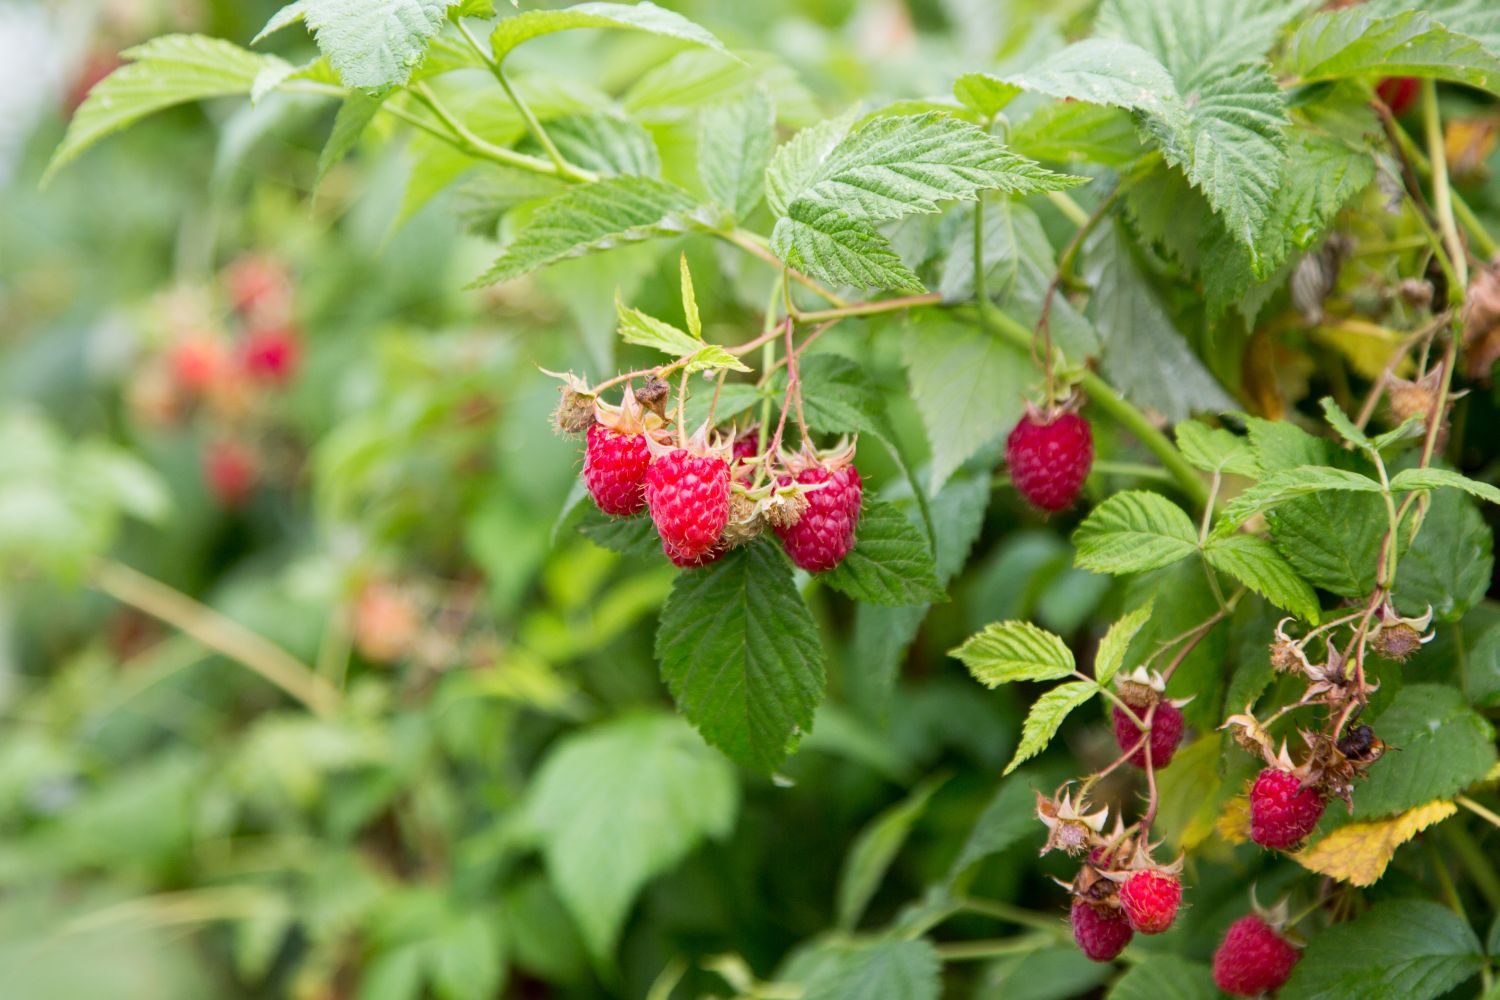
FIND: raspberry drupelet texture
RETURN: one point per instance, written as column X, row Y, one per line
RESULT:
column 272, row 354
column 688, row 495
column 1150, row 900
column 1166, row 734
column 1050, row 458
column 1102, row 932
column 824, row 534
column 614, row 468
column 1253, row 959
column 1282, row 812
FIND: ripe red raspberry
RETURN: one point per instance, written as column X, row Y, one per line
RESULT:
column 824, row 534
column 614, row 468
column 1050, row 458
column 681, row 561
column 198, row 363
column 1282, row 812
column 231, row 472
column 271, row 354
column 1150, row 900
column 1101, row 932
column 1253, row 959
column 1166, row 734
column 688, row 494
column 1398, row 92
column 746, row 446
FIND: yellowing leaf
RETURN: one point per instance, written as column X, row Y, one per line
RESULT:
column 1234, row 823
column 1358, row 853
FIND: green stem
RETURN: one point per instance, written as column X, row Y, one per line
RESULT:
column 1014, row 915
column 964, row 951
column 1442, row 196
column 1483, row 241
column 466, row 139
column 1068, row 207
column 869, row 308
column 1137, row 470
column 1481, row 866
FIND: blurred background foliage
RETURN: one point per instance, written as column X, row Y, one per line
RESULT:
column 487, row 752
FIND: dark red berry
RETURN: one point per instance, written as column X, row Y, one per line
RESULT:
column 231, row 472
column 1150, row 900
column 1166, row 734
column 1282, row 812
column 614, row 469
column 271, row 354
column 688, row 496
column 1253, row 959
column 824, row 534
column 1398, row 92
column 1050, row 459
column 1102, row 932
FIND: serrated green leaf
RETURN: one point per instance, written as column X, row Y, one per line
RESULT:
column 1279, row 487
column 1435, row 479
column 1132, row 532
column 607, row 144
column 986, row 94
column 879, row 970
column 162, row 73
column 734, row 148
column 619, row 803
column 1072, row 131
column 1414, row 949
column 1166, row 977
column 648, row 331
column 1332, row 539
column 629, row 536
column 793, row 164
column 1280, row 445
column 827, row 244
column 874, row 849
column 742, row 656
column 1357, row 42
column 967, row 385
column 1111, row 655
column 1004, row 652
column 372, row 44
column 1444, row 746
column 1214, row 449
column 1342, row 425
column 890, row 563
column 1479, row 19
column 1197, row 40
column 586, row 218
column 1009, row 819
column 1257, row 564
column 644, row 16
column 1449, row 566
column 354, row 115
column 1046, row 716
column 1104, row 71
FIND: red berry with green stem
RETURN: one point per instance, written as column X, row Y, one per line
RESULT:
column 1166, row 734
column 1150, row 899
column 824, row 534
column 1049, row 456
column 1253, row 958
column 1282, row 811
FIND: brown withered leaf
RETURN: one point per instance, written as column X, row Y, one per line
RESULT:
column 1481, row 341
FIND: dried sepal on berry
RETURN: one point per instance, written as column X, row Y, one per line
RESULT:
column 655, row 394
column 1287, row 655
column 1396, row 637
column 1070, row 827
column 1247, row 731
column 575, row 410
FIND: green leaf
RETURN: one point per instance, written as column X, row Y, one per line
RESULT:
column 629, row 536
column 1482, row 677
column 1356, row 42
column 1066, row 132
column 1443, row 747
column 1342, row 425
column 1279, row 487
column 1479, row 19
column 1414, row 949
column 827, row 244
column 879, row 970
column 1047, row 715
column 1111, row 655
column 734, row 148
column 1435, row 479
column 466, row 958
column 1009, row 819
column 1166, row 977
column 648, row 331
column 1257, row 564
column 355, row 114
column 1196, row 40
column 587, row 218
column 607, row 144
column 1448, row 567
column 1132, row 532
column 1280, row 445
column 967, row 384
column 162, row 73
column 619, row 803
column 742, row 656
column 1103, row 71
column 874, row 849
column 1015, row 651
column 1332, row 539
column 890, row 563
column 986, row 94
column 793, row 164
column 644, row 16
column 372, row 44
column 1214, row 449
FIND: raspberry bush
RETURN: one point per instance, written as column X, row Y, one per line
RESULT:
column 1015, row 514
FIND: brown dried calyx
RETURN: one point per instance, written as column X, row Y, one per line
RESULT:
column 575, row 411
column 1071, row 828
column 752, row 511
column 1397, row 638
column 1481, row 338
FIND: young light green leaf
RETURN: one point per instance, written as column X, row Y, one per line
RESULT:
column 1071, row 131
column 1436, row 479
column 1215, row 449
column 890, row 563
column 648, row 331
column 373, row 44
column 1046, row 716
column 1014, row 651
column 875, row 848
column 1279, row 487
column 1342, row 425
column 617, row 804
column 1132, row 532
column 1104, row 71
column 986, row 94
column 1415, row 949
column 1356, row 42
column 742, row 656
column 690, row 299
column 644, row 16
column 1111, row 655
column 826, row 243
column 1257, row 564
column 162, row 73
column 586, row 218
column 794, row 163
column 354, row 115
column 734, row 146
column 712, row 357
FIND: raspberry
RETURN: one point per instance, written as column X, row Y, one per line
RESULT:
column 824, row 534
column 1253, row 959
column 1150, row 900
column 1049, row 458
column 271, row 354
column 1282, row 812
column 231, row 472
column 688, row 495
column 692, row 562
column 1166, row 734
column 746, row 446
column 614, row 468
column 259, row 286
column 198, row 362
column 1101, row 932
column 1398, row 92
